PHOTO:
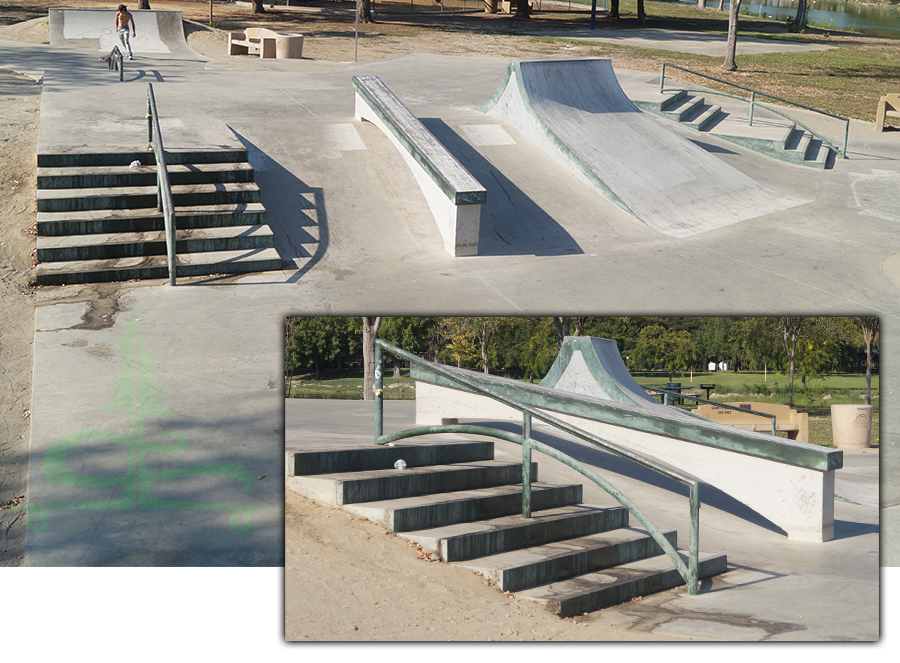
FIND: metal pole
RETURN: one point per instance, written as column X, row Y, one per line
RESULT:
column 662, row 78
column 149, row 118
column 356, row 33
column 526, row 465
column 752, row 102
column 694, row 544
column 379, row 403
column 593, row 14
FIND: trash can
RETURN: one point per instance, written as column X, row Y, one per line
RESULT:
column 674, row 386
column 851, row 426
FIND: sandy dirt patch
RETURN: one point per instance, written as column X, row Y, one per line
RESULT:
column 389, row 591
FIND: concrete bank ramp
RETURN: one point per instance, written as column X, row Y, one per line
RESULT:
column 576, row 111
column 155, row 31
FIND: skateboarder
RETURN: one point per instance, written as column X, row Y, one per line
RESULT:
column 123, row 18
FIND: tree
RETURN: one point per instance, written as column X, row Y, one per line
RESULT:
column 364, row 11
column 731, row 46
column 411, row 334
column 143, row 4
column 870, row 327
column 256, row 7
column 666, row 348
column 790, row 329
column 288, row 355
column 613, row 9
column 370, row 326
column 642, row 17
column 562, row 324
column 317, row 341
column 800, row 19
column 701, row 4
column 523, row 9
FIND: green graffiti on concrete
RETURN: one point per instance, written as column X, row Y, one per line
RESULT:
column 137, row 394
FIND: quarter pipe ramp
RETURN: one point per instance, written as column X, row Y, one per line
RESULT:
column 576, row 111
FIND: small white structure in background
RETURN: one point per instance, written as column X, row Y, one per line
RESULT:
column 721, row 366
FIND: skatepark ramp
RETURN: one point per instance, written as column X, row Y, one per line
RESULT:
column 155, row 31
column 576, row 111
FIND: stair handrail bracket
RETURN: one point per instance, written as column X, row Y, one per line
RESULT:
column 842, row 152
column 164, row 200
column 689, row 572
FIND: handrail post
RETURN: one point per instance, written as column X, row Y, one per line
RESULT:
column 662, row 78
column 526, row 465
column 379, row 390
column 694, row 540
column 846, row 136
column 149, row 117
column 752, row 104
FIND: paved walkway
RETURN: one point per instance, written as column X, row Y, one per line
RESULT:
column 681, row 41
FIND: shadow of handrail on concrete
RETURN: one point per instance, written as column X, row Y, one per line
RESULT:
column 605, row 461
column 296, row 212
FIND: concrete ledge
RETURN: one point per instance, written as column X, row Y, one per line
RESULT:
column 454, row 196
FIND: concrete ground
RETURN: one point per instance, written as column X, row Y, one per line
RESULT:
column 355, row 235
column 774, row 590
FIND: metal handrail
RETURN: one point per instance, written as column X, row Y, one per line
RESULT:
column 116, row 61
column 163, row 189
column 689, row 572
column 666, row 393
column 752, row 100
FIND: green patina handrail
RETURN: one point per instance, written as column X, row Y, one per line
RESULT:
column 116, row 61
column 689, row 572
column 163, row 188
column 752, row 101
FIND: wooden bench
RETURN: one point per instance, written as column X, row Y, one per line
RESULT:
column 267, row 43
column 795, row 424
column 454, row 196
column 888, row 106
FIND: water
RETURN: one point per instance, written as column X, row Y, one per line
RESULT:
column 875, row 20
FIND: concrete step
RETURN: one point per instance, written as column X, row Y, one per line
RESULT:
column 155, row 267
column 430, row 511
column 682, row 107
column 145, row 156
column 108, row 198
column 92, row 222
column 83, row 177
column 707, row 118
column 601, row 589
column 370, row 486
column 152, row 243
column 463, row 541
column 553, row 562
column 383, row 457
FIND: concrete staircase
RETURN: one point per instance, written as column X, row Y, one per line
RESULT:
column 97, row 217
column 460, row 504
column 770, row 134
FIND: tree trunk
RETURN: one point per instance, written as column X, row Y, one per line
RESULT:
column 701, row 4
column 396, row 367
column 370, row 333
column 791, row 377
column 613, row 9
column 523, row 9
column 143, row 4
column 800, row 18
column 364, row 11
column 561, row 323
column 790, row 332
column 642, row 18
column 731, row 46
column 721, row 5
column 257, row 7
column 869, row 330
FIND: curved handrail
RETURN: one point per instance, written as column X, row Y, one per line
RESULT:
column 689, row 572
column 116, row 61
column 163, row 188
column 752, row 101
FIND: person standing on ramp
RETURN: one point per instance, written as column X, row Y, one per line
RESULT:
column 123, row 18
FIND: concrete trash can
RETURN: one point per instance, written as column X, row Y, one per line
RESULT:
column 851, row 426
column 288, row 46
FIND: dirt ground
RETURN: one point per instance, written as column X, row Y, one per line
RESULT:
column 390, row 591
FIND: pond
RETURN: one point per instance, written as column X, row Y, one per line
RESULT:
column 869, row 19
